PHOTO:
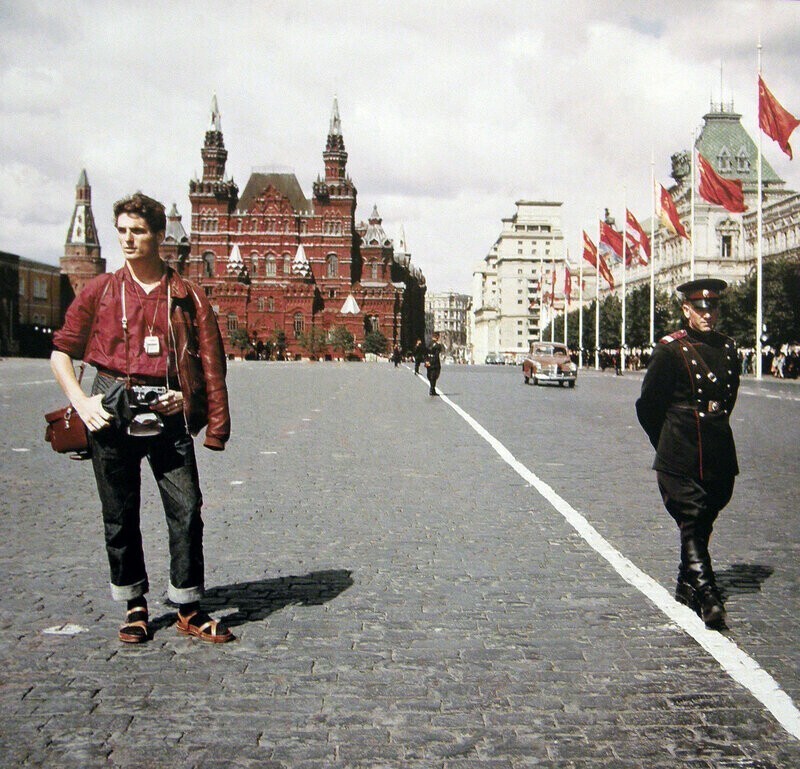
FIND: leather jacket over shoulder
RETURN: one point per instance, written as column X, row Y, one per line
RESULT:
column 200, row 358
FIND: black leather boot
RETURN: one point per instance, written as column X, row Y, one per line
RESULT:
column 684, row 592
column 697, row 563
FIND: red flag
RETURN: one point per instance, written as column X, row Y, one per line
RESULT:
column 723, row 192
column 669, row 214
column 590, row 255
column 637, row 238
column 610, row 241
column 774, row 120
column 553, row 288
column 589, row 250
column 567, row 283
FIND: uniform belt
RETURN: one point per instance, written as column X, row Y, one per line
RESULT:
column 709, row 407
column 147, row 381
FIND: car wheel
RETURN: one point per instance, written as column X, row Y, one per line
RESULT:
column 560, row 384
column 527, row 379
column 535, row 381
column 572, row 384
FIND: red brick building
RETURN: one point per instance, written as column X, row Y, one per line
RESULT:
column 284, row 267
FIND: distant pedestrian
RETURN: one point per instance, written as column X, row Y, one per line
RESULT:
column 419, row 355
column 397, row 356
column 687, row 397
column 433, row 361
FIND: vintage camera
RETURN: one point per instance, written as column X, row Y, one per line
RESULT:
column 145, row 422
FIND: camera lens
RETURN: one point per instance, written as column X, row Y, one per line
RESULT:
column 150, row 397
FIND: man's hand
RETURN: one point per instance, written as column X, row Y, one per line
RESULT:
column 170, row 403
column 91, row 411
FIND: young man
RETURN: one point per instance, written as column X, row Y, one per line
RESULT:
column 688, row 394
column 433, row 361
column 154, row 340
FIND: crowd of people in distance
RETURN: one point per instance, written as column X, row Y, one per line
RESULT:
column 781, row 363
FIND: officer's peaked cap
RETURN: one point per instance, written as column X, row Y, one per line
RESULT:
column 707, row 288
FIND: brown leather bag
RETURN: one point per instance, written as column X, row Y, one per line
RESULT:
column 66, row 431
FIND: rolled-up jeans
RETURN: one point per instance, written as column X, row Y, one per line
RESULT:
column 116, row 458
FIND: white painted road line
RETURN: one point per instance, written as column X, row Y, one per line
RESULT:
column 739, row 665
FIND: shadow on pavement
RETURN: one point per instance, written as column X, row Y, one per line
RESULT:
column 257, row 600
column 741, row 578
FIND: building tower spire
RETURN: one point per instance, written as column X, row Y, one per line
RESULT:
column 82, row 260
column 335, row 156
column 214, row 153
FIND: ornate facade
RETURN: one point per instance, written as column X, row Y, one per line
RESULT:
column 286, row 268
column 724, row 243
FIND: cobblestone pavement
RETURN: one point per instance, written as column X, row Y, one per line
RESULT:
column 402, row 598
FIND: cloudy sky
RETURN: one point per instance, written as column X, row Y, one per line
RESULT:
column 451, row 110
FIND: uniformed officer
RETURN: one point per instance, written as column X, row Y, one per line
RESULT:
column 687, row 397
column 433, row 361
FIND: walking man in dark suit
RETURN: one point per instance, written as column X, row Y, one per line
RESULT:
column 688, row 394
column 433, row 361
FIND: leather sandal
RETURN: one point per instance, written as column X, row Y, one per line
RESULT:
column 135, row 630
column 204, row 628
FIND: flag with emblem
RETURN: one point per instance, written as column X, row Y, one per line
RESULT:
column 774, row 120
column 596, row 260
column 722, row 192
column 610, row 242
column 669, row 214
column 638, row 242
column 567, row 283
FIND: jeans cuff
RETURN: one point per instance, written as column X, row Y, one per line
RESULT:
column 127, row 592
column 184, row 594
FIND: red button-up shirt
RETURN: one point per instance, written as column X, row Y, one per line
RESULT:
column 145, row 312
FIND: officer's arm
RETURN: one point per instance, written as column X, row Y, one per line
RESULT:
column 657, row 389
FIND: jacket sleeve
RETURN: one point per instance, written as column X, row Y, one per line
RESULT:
column 657, row 391
column 212, row 357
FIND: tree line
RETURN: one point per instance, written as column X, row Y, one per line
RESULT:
column 780, row 311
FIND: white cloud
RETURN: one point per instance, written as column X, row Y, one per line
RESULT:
column 451, row 111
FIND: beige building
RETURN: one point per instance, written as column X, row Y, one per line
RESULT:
column 723, row 244
column 510, row 285
column 448, row 315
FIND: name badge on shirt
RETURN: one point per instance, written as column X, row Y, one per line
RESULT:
column 152, row 346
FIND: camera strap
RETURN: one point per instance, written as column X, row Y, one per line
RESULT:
column 125, row 331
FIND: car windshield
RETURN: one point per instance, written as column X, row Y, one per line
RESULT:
column 549, row 350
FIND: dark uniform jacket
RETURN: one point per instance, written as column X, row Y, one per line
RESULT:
column 433, row 354
column 688, row 393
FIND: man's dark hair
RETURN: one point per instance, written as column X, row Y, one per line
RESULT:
column 139, row 204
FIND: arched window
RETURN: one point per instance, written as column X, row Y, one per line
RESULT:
column 742, row 161
column 261, row 304
column 233, row 321
column 208, row 264
column 254, row 264
column 271, row 304
column 374, row 325
column 287, row 264
column 298, row 323
column 375, row 268
column 724, row 160
column 270, row 266
column 332, row 266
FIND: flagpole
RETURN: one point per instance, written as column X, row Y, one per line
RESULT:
column 652, row 251
column 759, row 255
column 565, row 302
column 597, row 305
column 624, row 258
column 580, row 313
column 691, row 242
